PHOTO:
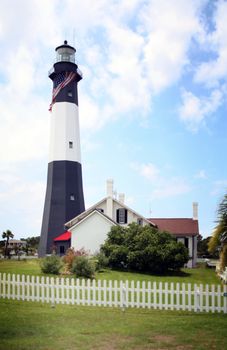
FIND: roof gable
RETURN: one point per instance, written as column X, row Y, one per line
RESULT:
column 81, row 216
column 133, row 211
column 91, row 213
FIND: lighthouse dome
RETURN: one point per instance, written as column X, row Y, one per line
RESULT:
column 65, row 53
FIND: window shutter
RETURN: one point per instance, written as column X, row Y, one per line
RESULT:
column 126, row 216
column 122, row 216
column 118, row 216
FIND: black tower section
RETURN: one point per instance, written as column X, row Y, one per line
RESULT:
column 64, row 193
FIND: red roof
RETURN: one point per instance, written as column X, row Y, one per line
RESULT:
column 63, row 237
column 179, row 227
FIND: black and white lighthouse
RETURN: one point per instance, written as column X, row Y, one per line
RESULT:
column 64, row 193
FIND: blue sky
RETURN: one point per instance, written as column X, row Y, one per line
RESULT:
column 152, row 104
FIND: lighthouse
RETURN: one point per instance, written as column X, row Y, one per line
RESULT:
column 64, row 192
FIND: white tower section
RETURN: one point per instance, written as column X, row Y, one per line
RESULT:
column 65, row 136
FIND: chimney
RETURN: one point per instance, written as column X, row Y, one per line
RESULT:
column 195, row 210
column 109, row 188
column 109, row 201
column 121, row 198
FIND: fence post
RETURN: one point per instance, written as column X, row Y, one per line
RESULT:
column 225, row 299
column 123, row 296
column 197, row 299
column 52, row 292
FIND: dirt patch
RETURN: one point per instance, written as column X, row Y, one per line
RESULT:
column 163, row 338
column 113, row 343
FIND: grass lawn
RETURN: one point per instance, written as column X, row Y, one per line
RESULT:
column 28, row 267
column 27, row 325
column 198, row 275
column 30, row 325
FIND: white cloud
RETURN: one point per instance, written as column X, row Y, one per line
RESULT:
column 21, row 200
column 169, row 27
column 219, row 187
column 214, row 70
column 24, row 132
column 201, row 174
column 149, row 171
column 195, row 110
column 171, row 188
column 130, row 63
column 128, row 51
column 161, row 185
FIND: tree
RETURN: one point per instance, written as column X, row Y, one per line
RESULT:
column 32, row 244
column 143, row 249
column 7, row 235
column 202, row 248
column 220, row 232
column 18, row 251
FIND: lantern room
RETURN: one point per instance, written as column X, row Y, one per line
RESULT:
column 65, row 53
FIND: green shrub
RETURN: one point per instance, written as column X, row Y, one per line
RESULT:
column 83, row 267
column 143, row 249
column 70, row 255
column 101, row 261
column 51, row 264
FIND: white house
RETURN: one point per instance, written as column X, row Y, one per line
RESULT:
column 89, row 229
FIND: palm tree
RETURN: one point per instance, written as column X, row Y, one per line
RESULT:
column 7, row 235
column 219, row 237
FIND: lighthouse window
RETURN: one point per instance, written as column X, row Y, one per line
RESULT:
column 70, row 93
column 70, row 144
column 72, row 197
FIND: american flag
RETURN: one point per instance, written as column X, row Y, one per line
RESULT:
column 62, row 79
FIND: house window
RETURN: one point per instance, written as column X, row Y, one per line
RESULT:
column 62, row 249
column 72, row 197
column 101, row 210
column 122, row 216
column 70, row 93
column 70, row 144
column 140, row 221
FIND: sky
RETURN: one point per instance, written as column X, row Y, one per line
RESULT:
column 152, row 104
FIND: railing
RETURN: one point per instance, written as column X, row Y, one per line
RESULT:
column 78, row 71
column 167, row 296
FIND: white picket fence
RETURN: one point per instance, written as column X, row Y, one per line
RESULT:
column 168, row 296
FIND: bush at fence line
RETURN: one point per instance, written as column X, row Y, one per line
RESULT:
column 101, row 261
column 70, row 256
column 83, row 267
column 51, row 264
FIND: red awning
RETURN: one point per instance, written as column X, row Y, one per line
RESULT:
column 63, row 237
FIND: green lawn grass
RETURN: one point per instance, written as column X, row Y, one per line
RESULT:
column 198, row 275
column 27, row 325
column 31, row 325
